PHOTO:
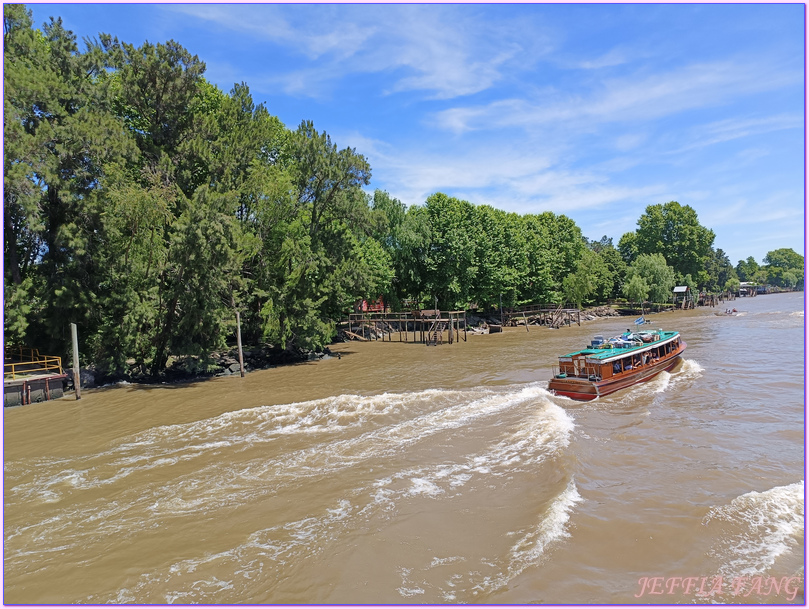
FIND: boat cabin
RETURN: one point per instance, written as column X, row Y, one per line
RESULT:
column 620, row 355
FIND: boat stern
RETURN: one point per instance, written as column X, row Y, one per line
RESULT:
column 574, row 388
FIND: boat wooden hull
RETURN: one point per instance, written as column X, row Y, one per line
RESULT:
column 584, row 389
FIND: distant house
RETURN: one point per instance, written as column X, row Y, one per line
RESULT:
column 682, row 297
column 370, row 306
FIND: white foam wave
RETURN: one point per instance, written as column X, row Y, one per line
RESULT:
column 534, row 543
column 763, row 526
column 543, row 435
column 690, row 368
column 661, row 382
column 228, row 479
column 171, row 444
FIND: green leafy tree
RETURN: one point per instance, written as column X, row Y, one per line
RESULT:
column 673, row 231
column 658, row 276
column 718, row 271
column 60, row 138
column 784, row 267
column 732, row 285
column 590, row 277
column 160, row 96
column 389, row 230
column 554, row 247
column 789, row 279
column 746, row 269
column 322, row 277
column 628, row 247
column 414, row 238
column 636, row 289
column 451, row 263
column 615, row 268
column 501, row 256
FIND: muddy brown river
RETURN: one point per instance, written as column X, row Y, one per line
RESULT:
column 402, row 473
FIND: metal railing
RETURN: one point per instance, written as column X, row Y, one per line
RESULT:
column 30, row 362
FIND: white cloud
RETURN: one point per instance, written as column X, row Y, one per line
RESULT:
column 612, row 58
column 633, row 98
column 444, row 51
column 735, row 128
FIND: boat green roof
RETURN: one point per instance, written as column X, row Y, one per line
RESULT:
column 616, row 351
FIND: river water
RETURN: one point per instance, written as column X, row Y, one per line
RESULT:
column 402, row 473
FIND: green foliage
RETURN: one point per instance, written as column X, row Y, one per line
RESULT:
column 746, row 269
column 784, row 268
column 657, row 275
column 554, row 245
column 17, row 306
column 636, row 289
column 615, row 268
column 148, row 206
column 590, row 276
column 674, row 231
column 450, row 261
column 719, row 272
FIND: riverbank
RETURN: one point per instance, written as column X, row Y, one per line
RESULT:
column 184, row 369
column 191, row 368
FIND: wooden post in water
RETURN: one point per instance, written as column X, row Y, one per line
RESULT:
column 239, row 342
column 76, row 370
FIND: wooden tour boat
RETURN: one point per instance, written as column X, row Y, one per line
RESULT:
column 606, row 366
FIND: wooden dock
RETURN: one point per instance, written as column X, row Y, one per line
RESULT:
column 428, row 326
column 435, row 327
column 550, row 315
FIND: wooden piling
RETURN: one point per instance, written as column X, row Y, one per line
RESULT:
column 239, row 342
column 76, row 369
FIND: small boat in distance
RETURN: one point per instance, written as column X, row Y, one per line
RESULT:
column 606, row 366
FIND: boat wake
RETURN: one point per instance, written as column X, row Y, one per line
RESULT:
column 688, row 371
column 758, row 531
column 533, row 543
column 344, row 463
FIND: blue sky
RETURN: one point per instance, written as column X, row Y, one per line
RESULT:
column 592, row 111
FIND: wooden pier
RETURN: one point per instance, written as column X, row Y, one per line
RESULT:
column 550, row 315
column 435, row 327
column 429, row 326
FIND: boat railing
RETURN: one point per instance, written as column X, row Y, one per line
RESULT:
column 584, row 372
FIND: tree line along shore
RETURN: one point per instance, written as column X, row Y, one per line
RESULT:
column 148, row 206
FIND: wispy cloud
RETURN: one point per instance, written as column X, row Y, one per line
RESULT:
column 735, row 128
column 612, row 58
column 632, row 98
column 314, row 32
column 442, row 51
